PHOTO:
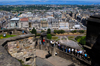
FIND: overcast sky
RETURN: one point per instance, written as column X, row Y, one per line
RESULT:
column 51, row 0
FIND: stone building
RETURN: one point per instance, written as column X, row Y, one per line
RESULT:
column 24, row 23
column 43, row 24
column 93, row 39
column 64, row 25
column 14, row 23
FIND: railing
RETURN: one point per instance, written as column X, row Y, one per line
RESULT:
column 61, row 52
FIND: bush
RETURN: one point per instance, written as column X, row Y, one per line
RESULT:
column 55, row 31
column 59, row 31
column 81, row 31
column 74, row 31
column 49, row 36
column 42, row 31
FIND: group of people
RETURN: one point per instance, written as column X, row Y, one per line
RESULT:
column 77, row 52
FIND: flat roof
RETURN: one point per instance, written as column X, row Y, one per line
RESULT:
column 15, row 18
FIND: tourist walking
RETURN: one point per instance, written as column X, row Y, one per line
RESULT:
column 43, row 41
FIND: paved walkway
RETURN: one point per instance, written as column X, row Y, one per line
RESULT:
column 55, row 60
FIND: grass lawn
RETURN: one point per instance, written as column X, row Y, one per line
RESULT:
column 81, row 39
column 7, row 36
column 70, row 37
column 54, row 37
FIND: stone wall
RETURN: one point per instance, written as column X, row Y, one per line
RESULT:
column 22, row 49
column 14, row 31
column 53, row 50
column 19, row 47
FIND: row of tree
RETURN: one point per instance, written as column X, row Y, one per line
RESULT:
column 80, row 31
column 59, row 31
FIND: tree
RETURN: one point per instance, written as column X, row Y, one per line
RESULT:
column 81, row 31
column 42, row 31
column 34, row 31
column 55, row 31
column 49, row 36
column 62, row 31
column 74, row 31
column 49, row 31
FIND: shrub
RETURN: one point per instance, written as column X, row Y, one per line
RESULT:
column 59, row 31
column 74, row 31
column 42, row 31
column 81, row 31
column 49, row 36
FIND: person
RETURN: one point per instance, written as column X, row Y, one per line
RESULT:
column 85, row 56
column 76, row 52
column 69, row 50
column 58, row 45
column 52, row 44
column 66, row 49
column 72, row 50
column 62, row 47
column 43, row 41
column 40, row 42
column 80, row 53
column 23, row 32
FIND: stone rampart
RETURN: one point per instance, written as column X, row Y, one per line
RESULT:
column 12, row 45
column 62, row 54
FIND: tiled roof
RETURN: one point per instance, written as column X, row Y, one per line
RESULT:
column 24, row 19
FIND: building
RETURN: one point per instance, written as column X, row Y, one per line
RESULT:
column 53, row 23
column 24, row 23
column 57, row 15
column 64, row 25
column 93, row 39
column 14, row 23
column 43, row 23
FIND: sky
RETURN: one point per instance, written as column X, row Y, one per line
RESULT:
column 50, row 0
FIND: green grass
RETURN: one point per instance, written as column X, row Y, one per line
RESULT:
column 81, row 40
column 7, row 36
column 70, row 37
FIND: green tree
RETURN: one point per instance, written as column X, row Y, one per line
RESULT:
column 42, row 31
column 74, row 31
column 49, row 36
column 49, row 31
column 81, row 31
column 62, row 31
column 55, row 31
column 34, row 31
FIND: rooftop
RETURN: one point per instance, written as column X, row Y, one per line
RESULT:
column 15, row 18
column 24, row 19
